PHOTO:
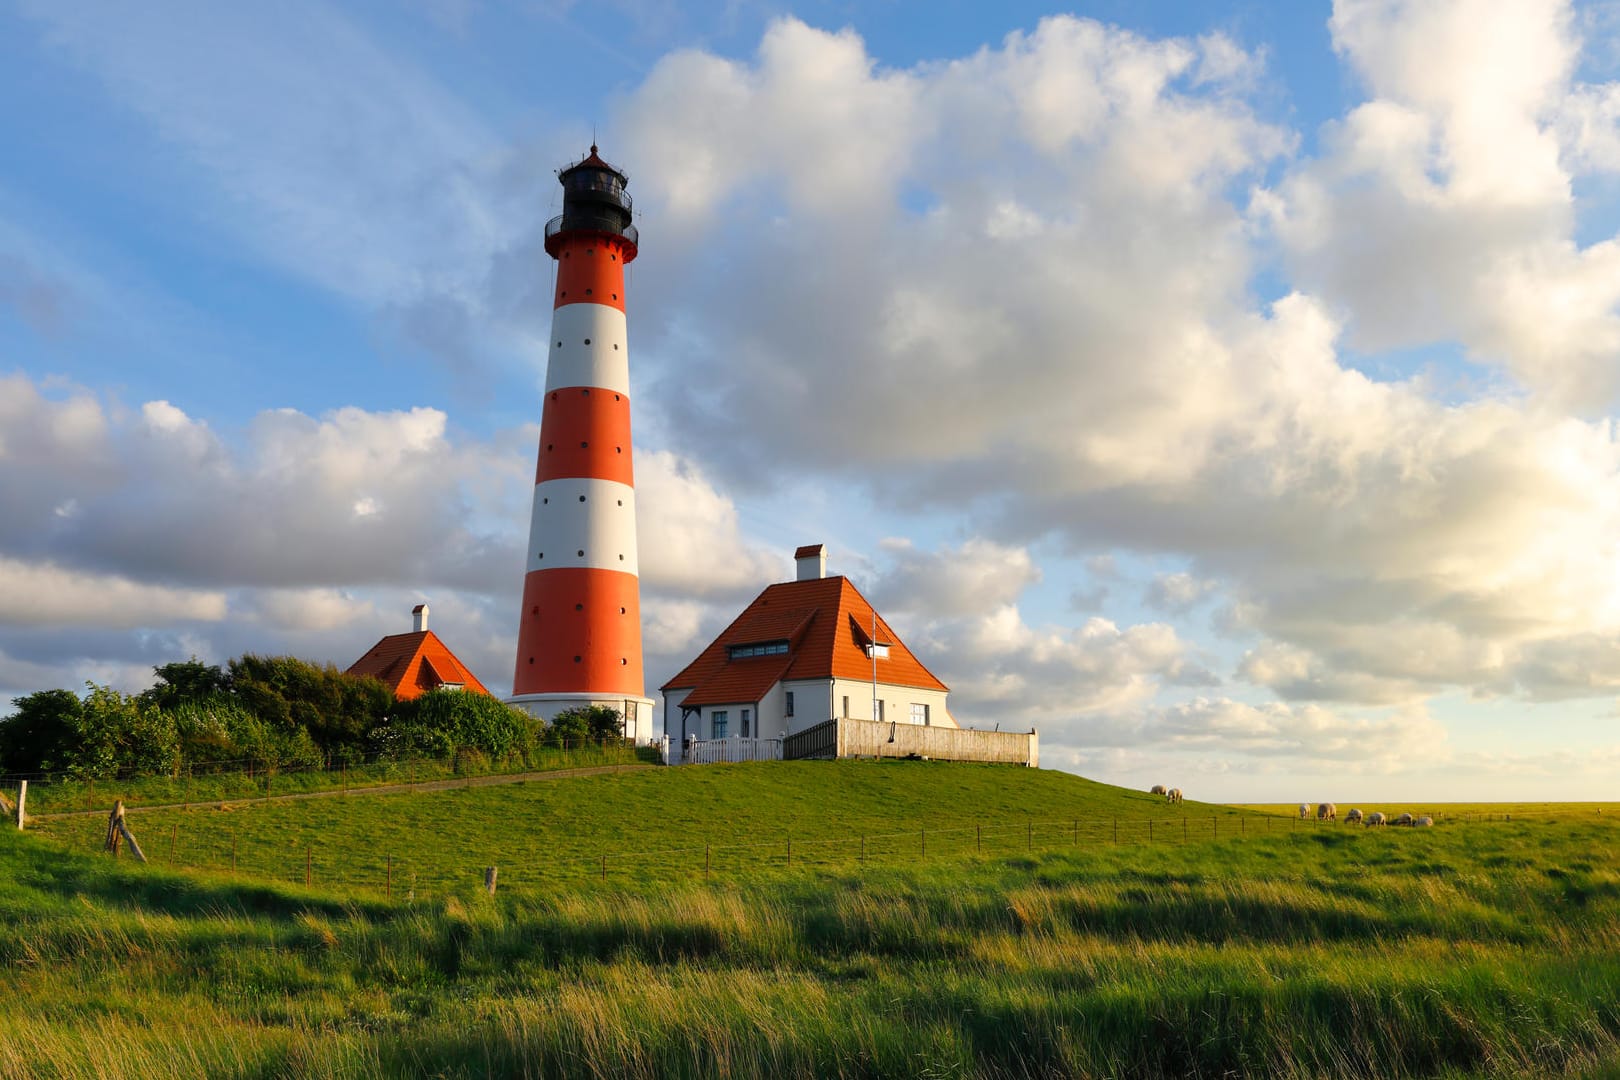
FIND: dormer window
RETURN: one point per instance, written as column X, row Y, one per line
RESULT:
column 763, row 648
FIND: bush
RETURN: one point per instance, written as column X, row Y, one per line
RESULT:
column 442, row 722
column 338, row 711
column 116, row 733
column 40, row 732
column 592, row 723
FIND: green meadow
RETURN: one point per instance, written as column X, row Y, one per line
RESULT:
column 1476, row 948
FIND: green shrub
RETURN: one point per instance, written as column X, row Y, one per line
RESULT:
column 591, row 723
column 40, row 732
column 442, row 722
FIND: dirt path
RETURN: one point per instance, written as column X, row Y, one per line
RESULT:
column 375, row 789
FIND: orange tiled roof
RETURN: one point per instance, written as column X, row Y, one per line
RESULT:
column 413, row 664
column 826, row 622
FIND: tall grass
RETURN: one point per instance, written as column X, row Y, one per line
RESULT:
column 1470, row 950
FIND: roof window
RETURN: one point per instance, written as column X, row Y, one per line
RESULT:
column 764, row 648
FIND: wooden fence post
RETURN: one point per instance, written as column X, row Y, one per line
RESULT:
column 1183, row 830
column 1150, row 830
column 489, row 879
column 1116, row 830
column 1214, row 827
column 174, row 836
column 90, row 795
column 233, row 853
column 22, row 801
column 1029, row 835
column 388, row 880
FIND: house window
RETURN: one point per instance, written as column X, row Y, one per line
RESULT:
column 880, row 710
column 747, row 715
column 787, row 703
column 768, row 648
column 919, row 713
column 719, row 724
column 846, row 706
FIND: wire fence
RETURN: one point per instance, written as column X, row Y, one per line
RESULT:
column 244, row 779
column 534, row 867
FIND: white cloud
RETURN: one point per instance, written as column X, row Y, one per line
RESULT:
column 43, row 594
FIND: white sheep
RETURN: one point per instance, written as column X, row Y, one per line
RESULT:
column 1353, row 816
column 1424, row 822
column 1376, row 818
column 1404, row 819
column 1327, row 812
column 1156, row 789
column 1304, row 811
column 1174, row 794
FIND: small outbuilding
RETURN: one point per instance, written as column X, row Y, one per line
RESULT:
column 414, row 663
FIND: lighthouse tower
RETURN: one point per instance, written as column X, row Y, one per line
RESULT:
column 579, row 636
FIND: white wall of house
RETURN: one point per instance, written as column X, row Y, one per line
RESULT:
column 814, row 701
column 896, row 702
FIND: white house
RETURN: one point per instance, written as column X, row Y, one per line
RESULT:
column 802, row 653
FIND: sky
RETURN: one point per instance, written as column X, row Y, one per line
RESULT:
column 1227, row 391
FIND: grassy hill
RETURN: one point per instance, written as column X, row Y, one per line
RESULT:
column 663, row 824
column 1464, row 950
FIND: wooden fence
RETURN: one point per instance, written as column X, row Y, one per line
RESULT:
column 845, row 738
column 382, row 873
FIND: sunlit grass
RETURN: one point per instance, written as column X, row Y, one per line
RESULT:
column 1471, row 949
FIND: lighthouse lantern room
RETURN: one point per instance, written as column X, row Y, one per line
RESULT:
column 579, row 635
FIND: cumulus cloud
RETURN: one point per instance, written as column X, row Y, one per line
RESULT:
column 309, row 534
column 1443, row 207
column 977, row 577
column 1111, row 384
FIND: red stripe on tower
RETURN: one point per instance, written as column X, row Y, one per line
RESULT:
column 579, row 636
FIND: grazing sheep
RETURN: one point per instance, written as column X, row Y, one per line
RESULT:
column 1376, row 818
column 1404, row 819
column 1304, row 811
column 1174, row 794
column 1156, row 789
column 1424, row 822
column 1353, row 816
column 1327, row 812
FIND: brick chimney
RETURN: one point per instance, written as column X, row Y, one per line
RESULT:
column 812, row 562
column 419, row 615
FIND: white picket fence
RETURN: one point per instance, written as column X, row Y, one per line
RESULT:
column 720, row 751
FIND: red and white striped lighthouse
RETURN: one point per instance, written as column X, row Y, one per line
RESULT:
column 579, row 638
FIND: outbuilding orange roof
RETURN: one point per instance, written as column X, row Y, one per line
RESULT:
column 826, row 623
column 412, row 664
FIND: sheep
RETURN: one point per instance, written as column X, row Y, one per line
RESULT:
column 1173, row 795
column 1327, row 812
column 1156, row 789
column 1404, row 819
column 1304, row 811
column 1353, row 817
column 1376, row 818
column 1424, row 822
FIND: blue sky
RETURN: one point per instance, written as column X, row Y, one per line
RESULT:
column 1226, row 390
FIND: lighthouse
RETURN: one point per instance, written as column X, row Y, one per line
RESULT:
column 579, row 635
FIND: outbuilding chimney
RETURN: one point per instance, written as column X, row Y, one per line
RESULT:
column 812, row 562
column 419, row 615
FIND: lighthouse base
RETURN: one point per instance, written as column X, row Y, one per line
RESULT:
column 637, row 711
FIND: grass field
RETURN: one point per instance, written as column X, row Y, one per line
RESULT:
column 662, row 825
column 1471, row 949
column 57, row 794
